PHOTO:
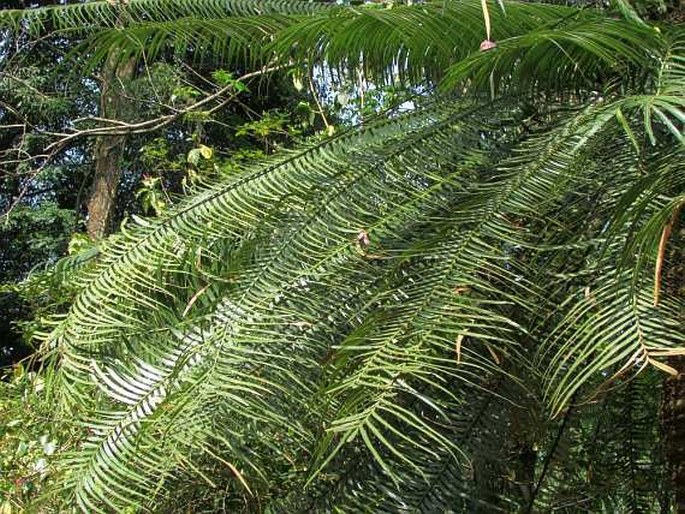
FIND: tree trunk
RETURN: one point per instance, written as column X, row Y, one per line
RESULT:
column 673, row 400
column 673, row 413
column 108, row 149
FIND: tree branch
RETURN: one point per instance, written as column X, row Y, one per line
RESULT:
column 120, row 128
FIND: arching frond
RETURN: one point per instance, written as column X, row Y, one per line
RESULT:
column 94, row 16
column 412, row 42
column 573, row 55
column 336, row 300
column 612, row 330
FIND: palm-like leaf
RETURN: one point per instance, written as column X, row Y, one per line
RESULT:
column 386, row 319
column 98, row 15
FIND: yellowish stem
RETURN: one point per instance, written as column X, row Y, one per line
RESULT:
column 661, row 253
column 486, row 17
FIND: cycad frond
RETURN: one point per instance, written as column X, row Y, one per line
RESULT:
column 613, row 329
column 256, row 307
column 340, row 299
column 412, row 42
column 415, row 41
column 573, row 55
column 94, row 16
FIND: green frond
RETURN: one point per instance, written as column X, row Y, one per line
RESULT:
column 161, row 249
column 572, row 55
column 612, row 330
column 232, row 40
column 200, row 319
column 94, row 16
column 406, row 42
column 414, row 43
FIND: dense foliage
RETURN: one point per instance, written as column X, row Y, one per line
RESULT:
column 464, row 302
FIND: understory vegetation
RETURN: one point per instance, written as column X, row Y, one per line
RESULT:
column 278, row 256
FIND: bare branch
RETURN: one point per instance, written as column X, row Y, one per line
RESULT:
column 119, row 128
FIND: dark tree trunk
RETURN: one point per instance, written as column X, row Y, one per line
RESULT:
column 673, row 402
column 116, row 74
column 673, row 412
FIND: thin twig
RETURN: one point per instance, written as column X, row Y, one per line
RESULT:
column 119, row 128
column 318, row 104
column 550, row 456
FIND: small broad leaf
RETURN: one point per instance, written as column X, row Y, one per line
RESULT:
column 297, row 82
column 206, row 151
column 194, row 156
